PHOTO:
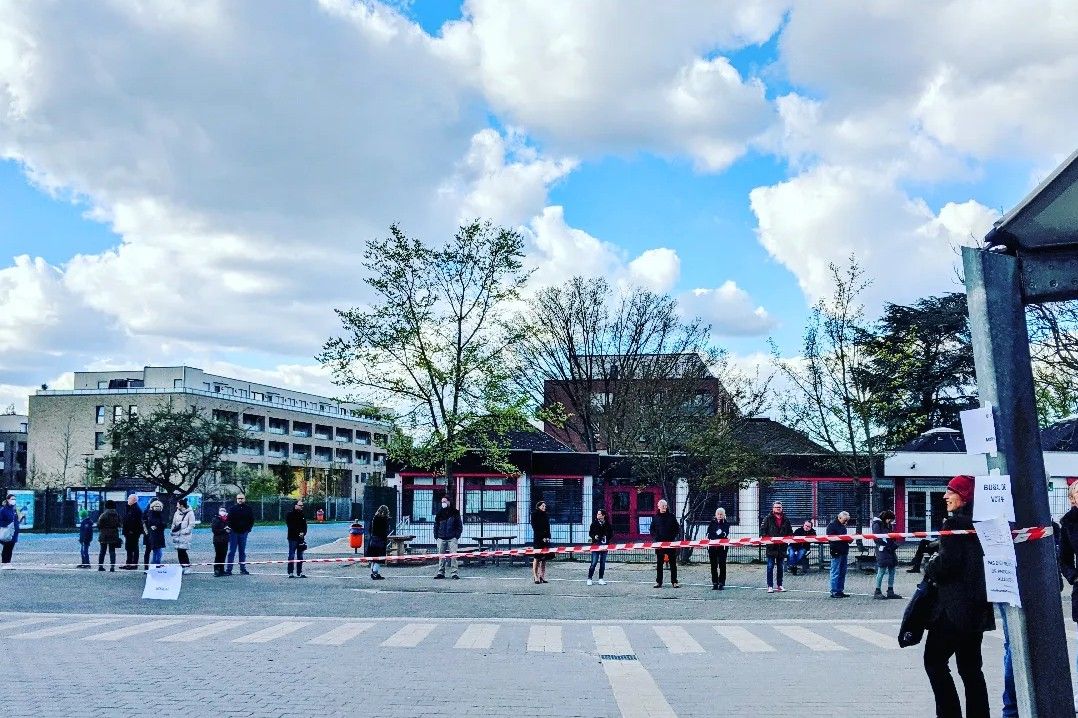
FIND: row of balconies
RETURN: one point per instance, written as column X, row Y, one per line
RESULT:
column 303, row 452
column 301, row 429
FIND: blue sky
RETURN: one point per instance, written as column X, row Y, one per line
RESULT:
column 754, row 143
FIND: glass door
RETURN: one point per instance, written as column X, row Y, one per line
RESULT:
column 620, row 502
column 925, row 509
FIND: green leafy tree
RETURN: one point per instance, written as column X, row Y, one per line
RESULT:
column 173, row 449
column 433, row 343
column 1053, row 330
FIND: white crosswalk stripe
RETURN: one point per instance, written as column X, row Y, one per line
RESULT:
column 678, row 640
column 876, row 638
column 341, row 634
column 809, row 639
column 63, row 629
column 20, row 623
column 545, row 639
column 744, row 640
column 410, row 636
column 210, row 629
column 272, row 632
column 611, row 640
column 134, row 630
column 478, row 636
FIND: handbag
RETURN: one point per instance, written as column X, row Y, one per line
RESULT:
column 302, row 545
column 7, row 534
column 918, row 613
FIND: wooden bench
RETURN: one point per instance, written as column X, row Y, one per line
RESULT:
column 866, row 558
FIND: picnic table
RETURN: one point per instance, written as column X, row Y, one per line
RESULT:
column 397, row 544
column 493, row 541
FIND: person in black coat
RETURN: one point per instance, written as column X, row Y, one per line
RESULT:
column 132, row 529
column 664, row 527
column 241, row 519
column 296, row 523
column 219, row 527
column 378, row 540
column 886, row 554
column 840, row 555
column 154, row 539
column 795, row 553
column 719, row 528
column 86, row 537
column 540, row 540
column 775, row 524
column 601, row 533
column 962, row 613
column 1068, row 552
column 108, row 535
column 447, row 530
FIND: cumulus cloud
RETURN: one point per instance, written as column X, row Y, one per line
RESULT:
column 729, row 309
column 657, row 269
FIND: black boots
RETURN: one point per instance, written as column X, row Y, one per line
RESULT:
column 891, row 593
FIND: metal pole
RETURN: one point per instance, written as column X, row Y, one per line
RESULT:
column 1005, row 381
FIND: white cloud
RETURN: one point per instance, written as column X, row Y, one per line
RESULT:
column 559, row 252
column 729, row 309
column 622, row 75
column 657, row 269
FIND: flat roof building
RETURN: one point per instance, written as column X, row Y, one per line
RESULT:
column 13, row 440
column 317, row 436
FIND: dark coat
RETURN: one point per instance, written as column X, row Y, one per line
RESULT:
column 133, row 523
column 664, row 527
column 155, row 529
column 718, row 530
column 776, row 527
column 296, row 523
column 838, row 548
column 9, row 515
column 540, row 529
column 86, row 530
column 1068, row 555
column 377, row 537
column 219, row 527
column 958, row 570
column 108, row 528
column 600, row 533
column 447, row 524
column 241, row 518
column 886, row 549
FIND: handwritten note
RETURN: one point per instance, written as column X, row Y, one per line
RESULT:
column 979, row 430
column 1000, row 563
column 163, row 583
column 993, row 498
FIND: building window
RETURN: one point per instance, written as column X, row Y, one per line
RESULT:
column 363, row 437
column 132, row 410
column 381, row 439
column 251, row 447
column 344, row 435
column 252, row 422
column 99, row 440
column 323, row 453
column 206, row 385
column 325, row 433
column 103, row 384
column 221, row 415
column 344, row 455
column 301, row 452
column 363, row 457
column 419, row 497
column 177, row 383
column 278, row 426
column 301, row 428
column 99, row 415
column 726, row 497
column 117, row 413
column 257, row 396
column 277, row 449
column 564, row 499
column 490, row 499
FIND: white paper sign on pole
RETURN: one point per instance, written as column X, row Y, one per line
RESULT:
column 1000, row 563
column 979, row 430
column 992, row 497
column 163, row 583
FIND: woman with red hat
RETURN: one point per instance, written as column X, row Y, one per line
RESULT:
column 962, row 613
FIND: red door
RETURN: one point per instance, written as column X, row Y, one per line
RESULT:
column 631, row 509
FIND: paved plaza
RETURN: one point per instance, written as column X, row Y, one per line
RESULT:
column 491, row 644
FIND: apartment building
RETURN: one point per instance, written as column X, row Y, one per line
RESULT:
column 316, row 436
column 13, row 440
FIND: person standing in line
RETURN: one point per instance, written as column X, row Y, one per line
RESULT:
column 296, row 524
column 775, row 525
column 86, row 537
column 796, row 553
column 925, row 547
column 133, row 530
column 447, row 530
column 9, row 529
column 154, row 539
column 664, row 527
column 219, row 527
column 962, row 612
column 601, row 534
column 718, row 528
column 108, row 535
column 183, row 525
column 540, row 540
column 1068, row 555
column 378, row 540
column 241, row 519
column 886, row 554
column 840, row 555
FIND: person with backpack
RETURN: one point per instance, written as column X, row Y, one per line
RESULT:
column 86, row 537
column 108, row 535
column 601, row 534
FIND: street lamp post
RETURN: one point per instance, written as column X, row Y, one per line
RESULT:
column 1031, row 257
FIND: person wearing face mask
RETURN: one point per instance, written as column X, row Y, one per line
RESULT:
column 447, row 530
column 296, row 524
column 154, row 539
column 219, row 527
column 9, row 530
column 241, row 519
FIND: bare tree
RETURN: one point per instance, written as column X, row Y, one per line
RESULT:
column 1053, row 330
column 65, row 448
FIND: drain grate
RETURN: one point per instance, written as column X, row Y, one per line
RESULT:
column 617, row 657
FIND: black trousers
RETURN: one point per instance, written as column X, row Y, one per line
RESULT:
column 924, row 546
column 184, row 559
column 220, row 552
column 944, row 641
column 5, row 552
column 101, row 555
column 132, row 550
column 717, row 556
column 659, row 554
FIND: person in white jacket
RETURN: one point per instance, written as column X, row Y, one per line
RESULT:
column 183, row 524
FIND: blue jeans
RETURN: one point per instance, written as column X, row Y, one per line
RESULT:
column 85, row 553
column 236, row 540
column 889, row 571
column 597, row 557
column 157, row 555
column 1010, row 698
column 794, row 554
column 293, row 554
column 838, row 573
column 772, row 564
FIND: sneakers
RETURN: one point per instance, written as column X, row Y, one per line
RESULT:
column 589, row 581
column 840, row 594
column 878, row 595
column 101, row 568
column 602, row 582
column 676, row 585
column 658, row 585
column 301, row 575
column 439, row 575
column 456, row 577
column 186, row 570
column 780, row 589
column 770, row 590
column 244, row 572
column 891, row 593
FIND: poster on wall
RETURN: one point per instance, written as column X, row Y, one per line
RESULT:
column 85, row 500
column 194, row 502
column 24, row 505
column 144, row 499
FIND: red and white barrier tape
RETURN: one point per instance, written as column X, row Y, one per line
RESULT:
column 1020, row 535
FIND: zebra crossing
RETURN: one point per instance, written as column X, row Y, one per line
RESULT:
column 600, row 638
